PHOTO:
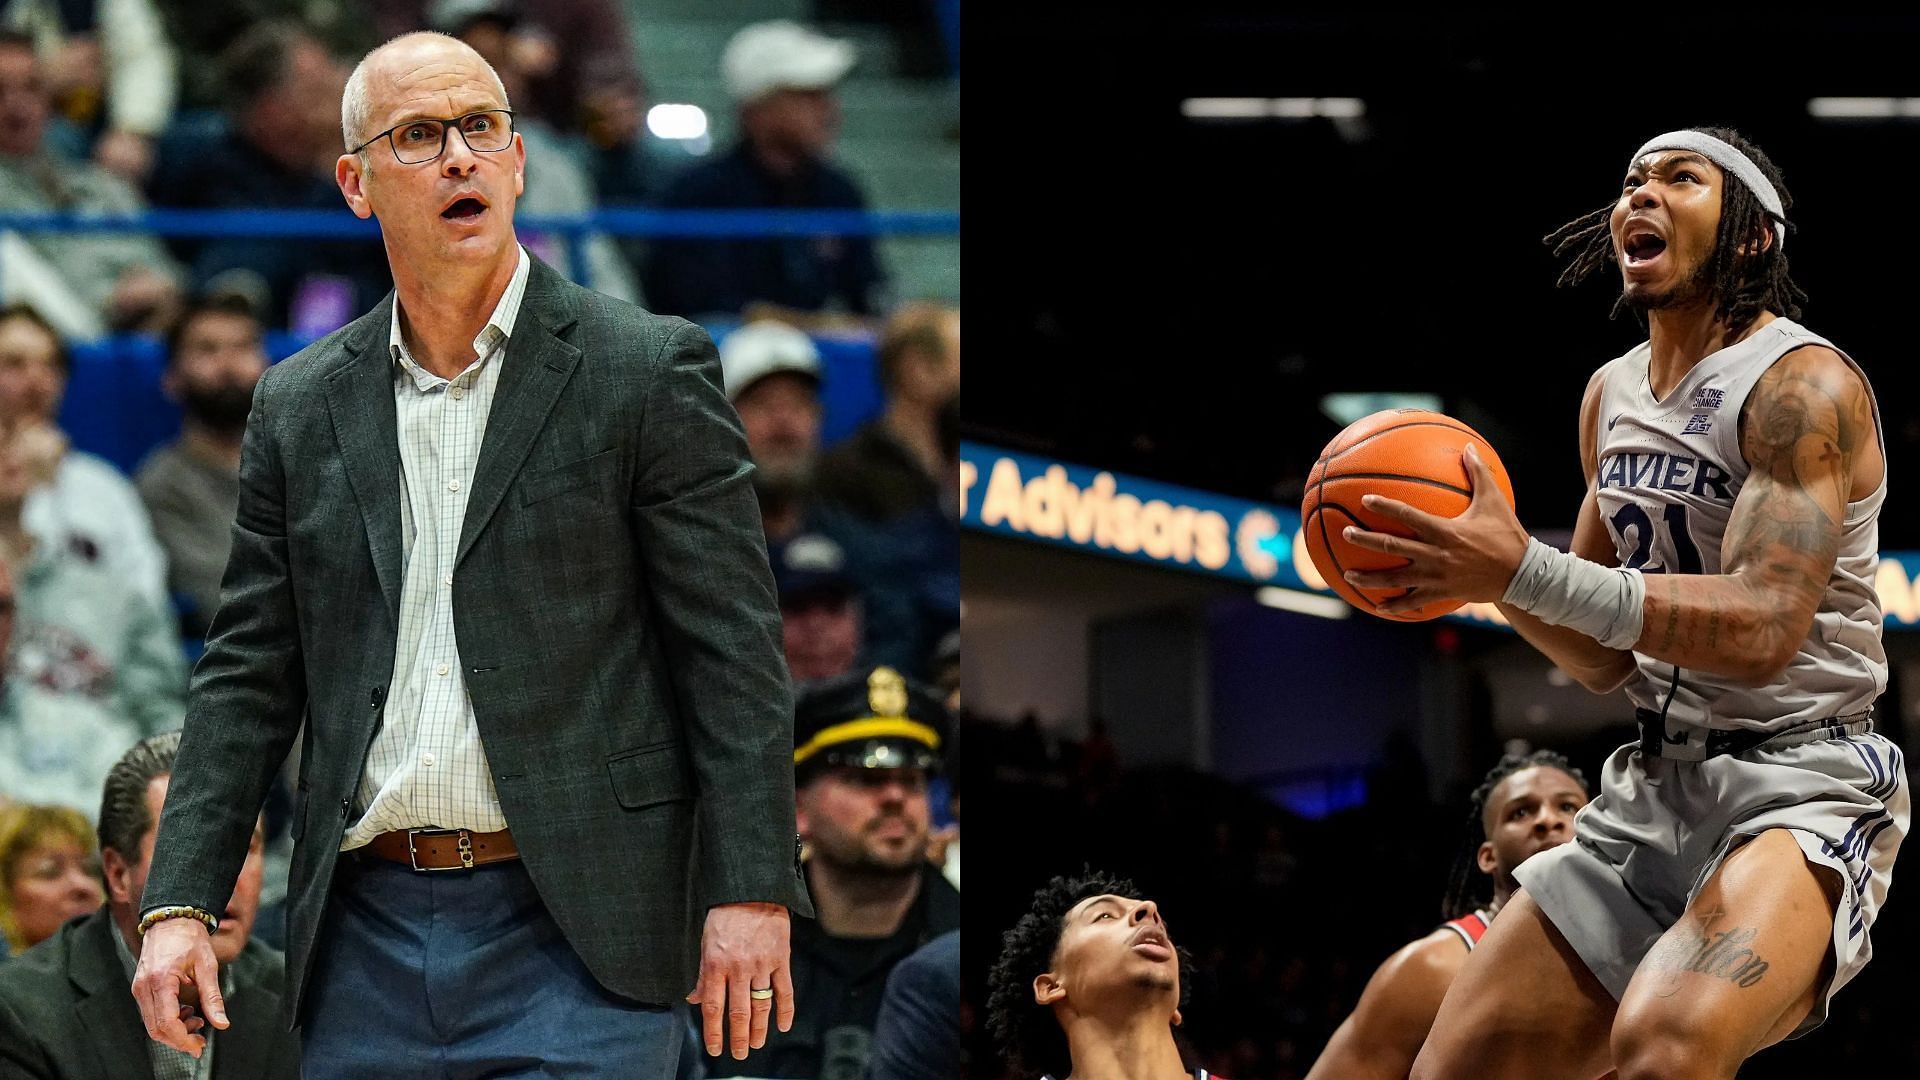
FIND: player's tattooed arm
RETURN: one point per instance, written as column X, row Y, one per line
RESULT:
column 1802, row 430
column 1591, row 664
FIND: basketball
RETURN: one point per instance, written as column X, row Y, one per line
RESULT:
column 1412, row 455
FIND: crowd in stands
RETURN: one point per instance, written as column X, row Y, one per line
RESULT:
column 234, row 105
column 109, row 577
column 1286, row 916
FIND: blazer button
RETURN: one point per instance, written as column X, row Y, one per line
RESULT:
column 344, row 811
column 379, row 697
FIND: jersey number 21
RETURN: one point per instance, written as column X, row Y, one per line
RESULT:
column 1686, row 556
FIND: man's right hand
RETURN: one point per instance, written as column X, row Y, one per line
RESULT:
column 177, row 968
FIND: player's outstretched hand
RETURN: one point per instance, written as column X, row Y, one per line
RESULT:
column 1472, row 557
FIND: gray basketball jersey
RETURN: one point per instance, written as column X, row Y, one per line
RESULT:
column 1670, row 470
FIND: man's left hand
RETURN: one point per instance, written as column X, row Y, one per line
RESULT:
column 1472, row 557
column 745, row 947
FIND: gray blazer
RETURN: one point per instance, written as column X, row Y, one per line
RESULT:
column 612, row 604
column 67, row 1013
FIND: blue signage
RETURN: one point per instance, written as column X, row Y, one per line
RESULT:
column 1126, row 517
column 1107, row 513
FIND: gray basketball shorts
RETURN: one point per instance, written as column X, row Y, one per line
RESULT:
column 1658, row 829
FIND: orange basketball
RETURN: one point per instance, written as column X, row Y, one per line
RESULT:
column 1407, row 454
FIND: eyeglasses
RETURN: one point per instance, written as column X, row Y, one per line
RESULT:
column 417, row 142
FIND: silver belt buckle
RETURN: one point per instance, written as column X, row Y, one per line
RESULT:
column 465, row 845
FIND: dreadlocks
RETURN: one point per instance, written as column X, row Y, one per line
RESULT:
column 1025, row 1030
column 1743, row 284
column 1464, row 891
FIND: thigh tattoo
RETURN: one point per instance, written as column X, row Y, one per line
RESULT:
column 1720, row 952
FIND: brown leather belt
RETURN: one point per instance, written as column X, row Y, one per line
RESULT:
column 444, row 849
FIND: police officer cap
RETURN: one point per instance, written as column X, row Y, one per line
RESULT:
column 871, row 718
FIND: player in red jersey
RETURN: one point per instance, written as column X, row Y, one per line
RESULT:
column 1525, row 805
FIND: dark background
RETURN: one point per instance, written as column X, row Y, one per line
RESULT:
column 1172, row 298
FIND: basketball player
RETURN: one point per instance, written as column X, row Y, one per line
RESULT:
column 1727, row 873
column 1089, row 983
column 1522, row 807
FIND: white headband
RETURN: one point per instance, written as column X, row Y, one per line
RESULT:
column 1728, row 157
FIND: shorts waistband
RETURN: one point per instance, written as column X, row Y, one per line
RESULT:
column 1696, row 744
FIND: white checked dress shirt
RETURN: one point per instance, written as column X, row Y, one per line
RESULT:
column 426, row 768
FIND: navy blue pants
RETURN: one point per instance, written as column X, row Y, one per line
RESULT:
column 464, row 975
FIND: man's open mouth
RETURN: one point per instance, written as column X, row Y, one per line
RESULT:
column 464, row 209
column 1642, row 248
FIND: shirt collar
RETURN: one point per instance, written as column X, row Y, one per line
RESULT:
column 499, row 326
column 127, row 959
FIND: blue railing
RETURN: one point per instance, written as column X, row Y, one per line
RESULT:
column 635, row 221
column 114, row 405
column 342, row 225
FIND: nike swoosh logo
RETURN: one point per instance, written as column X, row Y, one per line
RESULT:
column 1615, row 420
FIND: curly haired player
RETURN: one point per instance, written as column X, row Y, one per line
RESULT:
column 1089, row 983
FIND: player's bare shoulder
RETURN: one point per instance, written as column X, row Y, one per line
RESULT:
column 1810, row 418
column 1425, row 966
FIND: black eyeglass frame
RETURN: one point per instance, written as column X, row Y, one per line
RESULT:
column 445, row 125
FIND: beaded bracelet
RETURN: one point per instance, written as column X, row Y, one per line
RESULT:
column 178, row 911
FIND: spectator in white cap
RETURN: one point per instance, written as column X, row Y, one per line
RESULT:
column 781, row 77
column 773, row 377
column 782, row 63
column 772, row 372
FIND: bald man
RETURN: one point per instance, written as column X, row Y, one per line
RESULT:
column 498, row 547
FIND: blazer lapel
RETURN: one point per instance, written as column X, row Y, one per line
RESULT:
column 106, row 1009
column 116, row 1034
column 536, row 368
column 360, row 401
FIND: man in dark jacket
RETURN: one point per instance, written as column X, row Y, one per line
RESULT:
column 497, row 555
column 65, row 1013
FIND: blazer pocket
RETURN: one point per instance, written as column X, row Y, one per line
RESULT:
column 560, row 479
column 649, row 775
